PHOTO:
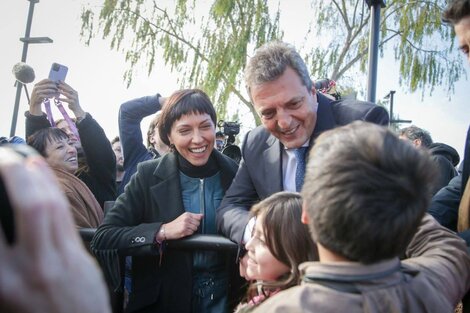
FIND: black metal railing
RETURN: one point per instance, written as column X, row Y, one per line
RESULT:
column 194, row 242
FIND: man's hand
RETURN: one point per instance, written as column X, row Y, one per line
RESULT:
column 47, row 268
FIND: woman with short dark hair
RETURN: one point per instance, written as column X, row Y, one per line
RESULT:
column 170, row 198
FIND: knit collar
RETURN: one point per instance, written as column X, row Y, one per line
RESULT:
column 207, row 170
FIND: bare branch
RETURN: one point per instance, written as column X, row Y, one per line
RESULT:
column 359, row 56
column 350, row 37
column 167, row 18
column 354, row 12
column 343, row 15
column 414, row 46
column 411, row 3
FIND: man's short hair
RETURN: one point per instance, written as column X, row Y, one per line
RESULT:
column 269, row 63
column 413, row 132
column 115, row 139
column 455, row 11
column 366, row 191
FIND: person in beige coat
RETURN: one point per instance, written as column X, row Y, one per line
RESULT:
column 58, row 151
column 365, row 196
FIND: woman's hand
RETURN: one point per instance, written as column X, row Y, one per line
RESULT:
column 70, row 96
column 46, row 88
column 184, row 225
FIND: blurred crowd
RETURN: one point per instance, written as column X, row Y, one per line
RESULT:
column 324, row 209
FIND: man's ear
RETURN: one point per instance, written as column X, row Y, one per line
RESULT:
column 417, row 142
column 304, row 218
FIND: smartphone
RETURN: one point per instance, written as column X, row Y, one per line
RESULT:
column 58, row 72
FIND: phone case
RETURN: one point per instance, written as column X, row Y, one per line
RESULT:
column 58, row 72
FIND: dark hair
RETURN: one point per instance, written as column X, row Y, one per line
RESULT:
column 270, row 62
column 413, row 132
column 115, row 139
column 455, row 11
column 41, row 138
column 180, row 103
column 366, row 191
column 287, row 239
column 60, row 120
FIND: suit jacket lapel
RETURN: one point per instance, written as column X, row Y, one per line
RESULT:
column 272, row 159
column 325, row 117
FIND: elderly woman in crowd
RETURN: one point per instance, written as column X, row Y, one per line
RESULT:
column 170, row 198
column 61, row 155
column 96, row 160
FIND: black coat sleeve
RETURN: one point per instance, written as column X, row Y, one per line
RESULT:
column 445, row 204
column 34, row 123
column 446, row 171
column 101, row 174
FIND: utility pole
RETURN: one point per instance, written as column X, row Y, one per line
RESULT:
column 375, row 7
column 26, row 41
column 390, row 96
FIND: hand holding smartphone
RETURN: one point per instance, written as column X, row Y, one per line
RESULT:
column 58, row 72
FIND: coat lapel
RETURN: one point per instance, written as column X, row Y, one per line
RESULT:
column 272, row 159
column 166, row 193
column 325, row 117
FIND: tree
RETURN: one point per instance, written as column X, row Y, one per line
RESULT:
column 412, row 28
column 213, row 57
column 228, row 31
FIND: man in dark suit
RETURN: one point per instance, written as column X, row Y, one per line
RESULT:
column 293, row 114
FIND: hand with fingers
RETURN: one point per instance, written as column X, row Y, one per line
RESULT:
column 46, row 268
column 184, row 225
column 70, row 96
column 46, row 88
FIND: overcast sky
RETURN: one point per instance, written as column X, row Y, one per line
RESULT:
column 96, row 72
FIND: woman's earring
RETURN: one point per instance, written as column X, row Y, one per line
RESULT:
column 172, row 147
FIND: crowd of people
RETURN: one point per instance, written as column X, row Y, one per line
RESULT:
column 330, row 210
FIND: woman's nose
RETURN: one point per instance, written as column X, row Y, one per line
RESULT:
column 71, row 149
column 197, row 137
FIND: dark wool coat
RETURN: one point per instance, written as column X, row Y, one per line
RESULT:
column 152, row 197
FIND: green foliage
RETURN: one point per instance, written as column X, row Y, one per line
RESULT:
column 211, row 58
column 413, row 29
column 208, row 42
